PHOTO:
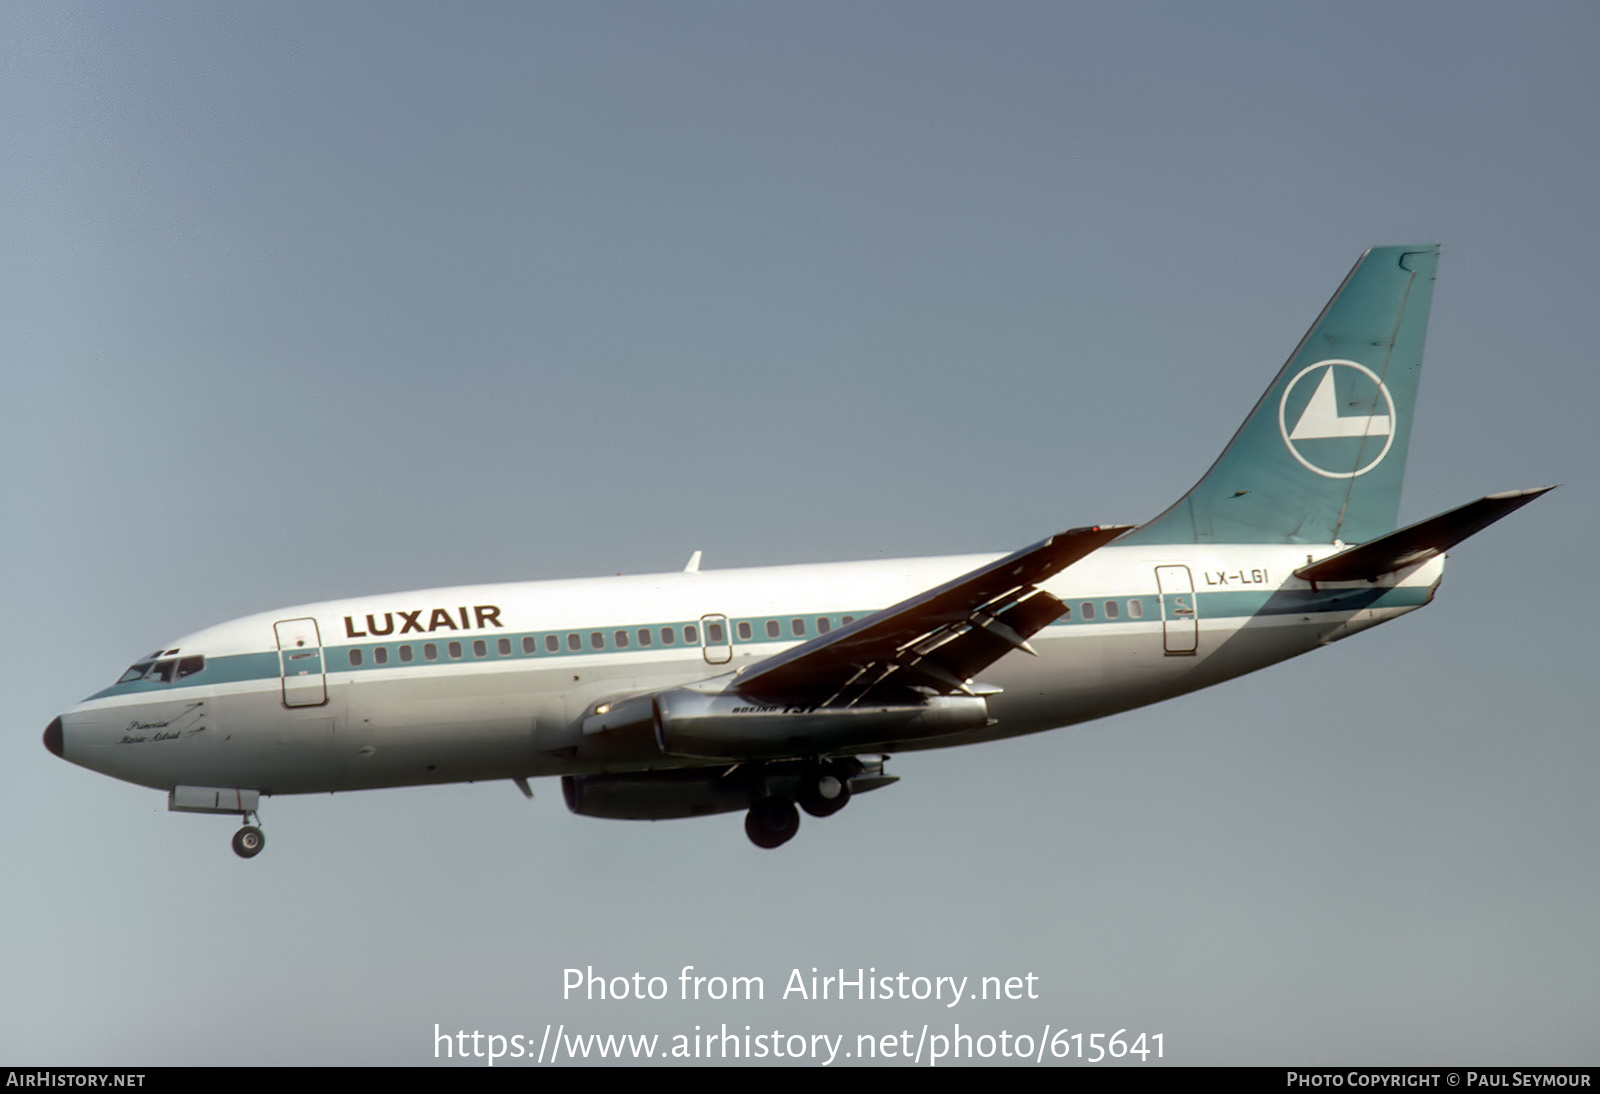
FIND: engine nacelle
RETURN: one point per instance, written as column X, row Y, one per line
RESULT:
column 731, row 727
column 702, row 791
column 655, row 795
column 727, row 726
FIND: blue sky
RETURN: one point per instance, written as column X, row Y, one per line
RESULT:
column 305, row 301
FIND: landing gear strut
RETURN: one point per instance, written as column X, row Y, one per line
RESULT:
column 248, row 841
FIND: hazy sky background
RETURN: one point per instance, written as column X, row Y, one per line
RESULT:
column 307, row 300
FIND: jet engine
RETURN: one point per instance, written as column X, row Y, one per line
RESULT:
column 702, row 791
column 727, row 726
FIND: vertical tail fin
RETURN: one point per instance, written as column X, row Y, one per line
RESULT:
column 1322, row 455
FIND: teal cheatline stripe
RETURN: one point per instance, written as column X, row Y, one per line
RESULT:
column 1246, row 605
column 1103, row 611
column 218, row 670
column 589, row 641
column 1231, row 605
column 264, row 666
column 1322, row 455
column 1136, row 609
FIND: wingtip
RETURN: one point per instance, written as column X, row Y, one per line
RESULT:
column 1530, row 493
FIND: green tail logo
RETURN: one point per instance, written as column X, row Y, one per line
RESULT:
column 1322, row 456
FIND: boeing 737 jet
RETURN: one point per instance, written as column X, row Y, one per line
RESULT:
column 776, row 690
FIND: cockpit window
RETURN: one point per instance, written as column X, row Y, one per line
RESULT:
column 163, row 672
column 135, row 672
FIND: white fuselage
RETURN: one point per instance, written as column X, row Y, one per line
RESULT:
column 279, row 707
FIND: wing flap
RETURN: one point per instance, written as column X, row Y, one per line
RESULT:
column 935, row 640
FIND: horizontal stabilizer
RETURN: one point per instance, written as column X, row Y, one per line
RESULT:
column 1418, row 542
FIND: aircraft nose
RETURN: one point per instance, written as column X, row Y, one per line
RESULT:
column 52, row 737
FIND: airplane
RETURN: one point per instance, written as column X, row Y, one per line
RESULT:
column 787, row 688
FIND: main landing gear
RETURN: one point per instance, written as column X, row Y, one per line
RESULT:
column 249, row 840
column 772, row 822
column 822, row 790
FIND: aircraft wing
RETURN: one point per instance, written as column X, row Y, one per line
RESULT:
column 936, row 640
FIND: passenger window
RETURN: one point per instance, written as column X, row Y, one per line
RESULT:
column 823, row 626
column 505, row 647
column 669, row 636
column 430, row 651
column 552, row 644
column 1066, row 611
column 597, row 640
column 1135, row 609
column 714, row 634
column 773, row 630
column 405, row 653
column 1088, row 610
column 691, row 634
column 528, row 645
column 845, row 621
column 380, row 656
column 621, row 639
column 574, row 643
column 745, row 632
column 1111, row 609
column 798, row 626
column 355, row 658
column 190, row 665
column 480, row 648
column 644, row 636
column 455, row 649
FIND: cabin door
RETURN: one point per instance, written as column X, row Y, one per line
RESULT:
column 1180, row 623
column 300, row 662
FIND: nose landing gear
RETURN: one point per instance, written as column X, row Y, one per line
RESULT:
column 249, row 841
